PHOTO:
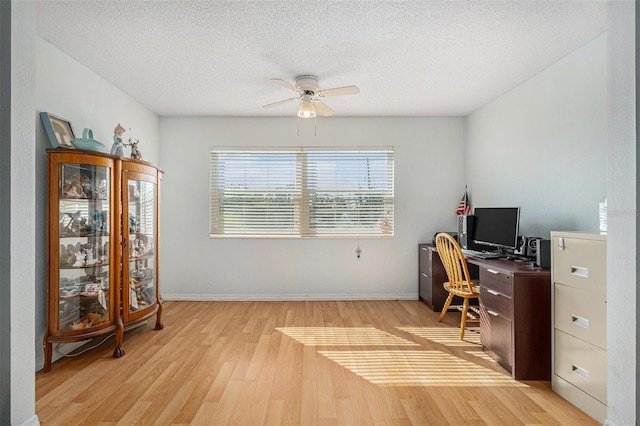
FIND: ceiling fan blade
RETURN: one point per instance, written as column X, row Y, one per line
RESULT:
column 285, row 84
column 323, row 109
column 339, row 91
column 284, row 101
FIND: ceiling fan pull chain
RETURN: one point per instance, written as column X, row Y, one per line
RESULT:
column 298, row 130
column 315, row 126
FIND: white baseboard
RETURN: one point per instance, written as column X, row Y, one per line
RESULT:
column 33, row 421
column 284, row 297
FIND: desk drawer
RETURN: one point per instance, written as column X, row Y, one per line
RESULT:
column 581, row 364
column 581, row 263
column 496, row 302
column 581, row 314
column 496, row 281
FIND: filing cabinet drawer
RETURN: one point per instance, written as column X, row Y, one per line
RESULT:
column 582, row 263
column 497, row 281
column 580, row 399
column 425, row 289
column 496, row 302
column 581, row 364
column 425, row 259
column 501, row 339
column 581, row 314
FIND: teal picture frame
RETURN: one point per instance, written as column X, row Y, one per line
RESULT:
column 59, row 130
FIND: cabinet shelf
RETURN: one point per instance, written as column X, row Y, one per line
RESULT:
column 95, row 265
column 142, row 282
column 85, row 235
column 81, row 296
column 143, row 257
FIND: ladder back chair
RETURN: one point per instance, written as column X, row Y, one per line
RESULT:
column 459, row 283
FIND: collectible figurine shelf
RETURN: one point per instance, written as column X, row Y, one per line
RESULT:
column 103, row 274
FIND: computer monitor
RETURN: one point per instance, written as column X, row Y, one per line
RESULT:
column 496, row 226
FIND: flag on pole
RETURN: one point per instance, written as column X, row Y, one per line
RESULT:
column 465, row 205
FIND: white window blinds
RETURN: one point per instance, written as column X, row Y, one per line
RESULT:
column 302, row 192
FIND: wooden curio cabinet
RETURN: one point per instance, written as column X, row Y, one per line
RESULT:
column 102, row 247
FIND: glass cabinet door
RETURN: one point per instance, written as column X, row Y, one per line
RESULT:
column 84, row 235
column 139, row 231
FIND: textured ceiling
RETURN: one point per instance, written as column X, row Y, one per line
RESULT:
column 409, row 58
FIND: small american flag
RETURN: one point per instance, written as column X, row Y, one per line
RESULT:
column 465, row 205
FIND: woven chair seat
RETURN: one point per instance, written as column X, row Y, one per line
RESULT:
column 463, row 293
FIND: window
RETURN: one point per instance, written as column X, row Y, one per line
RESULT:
column 304, row 192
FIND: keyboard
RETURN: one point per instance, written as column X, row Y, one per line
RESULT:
column 481, row 254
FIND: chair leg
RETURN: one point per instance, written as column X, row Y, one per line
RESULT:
column 463, row 320
column 445, row 308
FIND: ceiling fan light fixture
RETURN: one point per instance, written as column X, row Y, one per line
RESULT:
column 306, row 109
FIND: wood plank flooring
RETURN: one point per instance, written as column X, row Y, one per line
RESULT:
column 296, row 363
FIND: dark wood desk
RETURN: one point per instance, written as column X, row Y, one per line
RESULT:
column 515, row 316
column 431, row 276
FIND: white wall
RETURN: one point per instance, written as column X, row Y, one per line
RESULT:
column 622, row 241
column 428, row 187
column 69, row 90
column 23, row 283
column 542, row 146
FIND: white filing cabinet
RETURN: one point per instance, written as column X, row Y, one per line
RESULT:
column 579, row 320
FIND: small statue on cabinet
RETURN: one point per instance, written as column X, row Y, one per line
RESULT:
column 135, row 152
column 79, row 258
column 104, row 257
column 74, row 187
column 118, row 146
column 90, row 259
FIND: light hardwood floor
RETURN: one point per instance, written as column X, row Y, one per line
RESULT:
column 296, row 363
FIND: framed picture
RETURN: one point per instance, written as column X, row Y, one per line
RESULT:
column 59, row 130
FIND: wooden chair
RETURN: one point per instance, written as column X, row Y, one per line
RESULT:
column 459, row 283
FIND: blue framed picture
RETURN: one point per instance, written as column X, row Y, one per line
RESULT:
column 59, row 130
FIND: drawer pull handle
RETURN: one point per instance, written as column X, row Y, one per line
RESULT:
column 579, row 271
column 493, row 271
column 424, row 275
column 582, row 322
column 495, row 293
column 580, row 371
column 424, row 248
column 494, row 313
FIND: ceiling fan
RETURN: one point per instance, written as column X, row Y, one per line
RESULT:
column 307, row 87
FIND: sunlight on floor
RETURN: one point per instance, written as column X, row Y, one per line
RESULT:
column 446, row 336
column 344, row 336
column 387, row 367
column 482, row 355
column 417, row 368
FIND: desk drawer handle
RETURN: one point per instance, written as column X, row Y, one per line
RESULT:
column 493, row 271
column 580, row 371
column 424, row 248
column 424, row 275
column 495, row 293
column 580, row 271
column 494, row 313
column 582, row 322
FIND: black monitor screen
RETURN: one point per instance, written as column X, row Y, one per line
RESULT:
column 496, row 226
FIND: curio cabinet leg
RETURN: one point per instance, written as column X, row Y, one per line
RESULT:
column 159, row 325
column 119, row 334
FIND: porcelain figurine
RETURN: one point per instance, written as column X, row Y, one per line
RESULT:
column 90, row 259
column 118, row 146
column 79, row 258
column 135, row 152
